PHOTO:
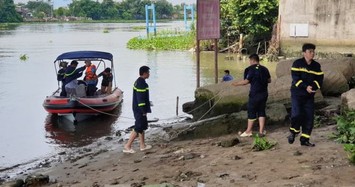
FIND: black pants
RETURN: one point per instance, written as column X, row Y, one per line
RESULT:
column 141, row 123
column 257, row 105
column 302, row 115
column 91, row 89
column 63, row 92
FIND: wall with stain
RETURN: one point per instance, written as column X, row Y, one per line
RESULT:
column 331, row 25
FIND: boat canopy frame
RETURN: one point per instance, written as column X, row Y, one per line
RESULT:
column 82, row 55
column 87, row 55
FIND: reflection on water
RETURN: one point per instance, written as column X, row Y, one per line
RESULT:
column 61, row 130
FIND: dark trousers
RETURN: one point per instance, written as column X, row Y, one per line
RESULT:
column 63, row 92
column 141, row 123
column 257, row 105
column 302, row 115
column 91, row 89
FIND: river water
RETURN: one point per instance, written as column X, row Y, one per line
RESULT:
column 26, row 131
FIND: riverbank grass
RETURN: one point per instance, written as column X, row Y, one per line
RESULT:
column 6, row 26
column 164, row 41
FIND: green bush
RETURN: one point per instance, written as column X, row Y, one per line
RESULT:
column 346, row 127
column 261, row 143
column 346, row 133
column 350, row 148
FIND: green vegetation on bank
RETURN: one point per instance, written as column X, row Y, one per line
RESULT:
column 8, row 13
column 261, row 143
column 163, row 41
column 5, row 26
column 253, row 19
column 346, row 133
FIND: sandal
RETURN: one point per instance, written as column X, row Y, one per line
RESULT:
column 128, row 150
column 244, row 134
column 146, row 147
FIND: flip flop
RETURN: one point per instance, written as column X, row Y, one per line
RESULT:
column 128, row 151
column 146, row 147
column 244, row 134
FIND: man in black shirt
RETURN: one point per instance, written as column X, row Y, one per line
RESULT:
column 258, row 77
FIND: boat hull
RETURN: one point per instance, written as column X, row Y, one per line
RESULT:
column 85, row 105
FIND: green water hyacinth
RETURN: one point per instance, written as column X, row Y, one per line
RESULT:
column 163, row 41
column 24, row 57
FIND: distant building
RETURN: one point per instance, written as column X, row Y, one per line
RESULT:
column 24, row 12
column 330, row 24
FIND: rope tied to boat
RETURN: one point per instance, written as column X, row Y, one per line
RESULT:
column 209, row 102
column 96, row 110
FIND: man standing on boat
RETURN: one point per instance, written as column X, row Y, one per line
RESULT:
column 60, row 76
column 141, row 106
column 90, row 78
column 70, row 77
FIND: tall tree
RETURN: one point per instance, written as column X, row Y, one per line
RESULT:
column 39, row 8
column 85, row 8
column 133, row 9
column 109, row 9
column 8, row 12
column 61, row 11
column 164, row 9
column 252, row 18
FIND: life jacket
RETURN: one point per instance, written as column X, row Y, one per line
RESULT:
column 90, row 73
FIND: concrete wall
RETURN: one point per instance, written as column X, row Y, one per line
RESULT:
column 331, row 25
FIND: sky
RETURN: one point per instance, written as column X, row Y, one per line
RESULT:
column 61, row 3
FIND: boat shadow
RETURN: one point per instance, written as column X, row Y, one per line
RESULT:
column 60, row 130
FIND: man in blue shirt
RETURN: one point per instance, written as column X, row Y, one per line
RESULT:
column 227, row 76
column 258, row 77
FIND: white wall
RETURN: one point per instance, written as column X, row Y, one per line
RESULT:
column 330, row 24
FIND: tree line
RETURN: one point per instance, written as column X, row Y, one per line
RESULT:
column 8, row 13
column 92, row 9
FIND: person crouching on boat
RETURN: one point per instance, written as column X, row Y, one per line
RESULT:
column 106, row 84
column 60, row 76
column 70, row 77
column 90, row 78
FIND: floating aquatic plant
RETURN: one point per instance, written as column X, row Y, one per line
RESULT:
column 23, row 57
column 106, row 31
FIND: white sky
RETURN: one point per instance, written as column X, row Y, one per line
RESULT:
column 59, row 3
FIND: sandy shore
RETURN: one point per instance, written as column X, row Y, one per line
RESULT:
column 204, row 162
